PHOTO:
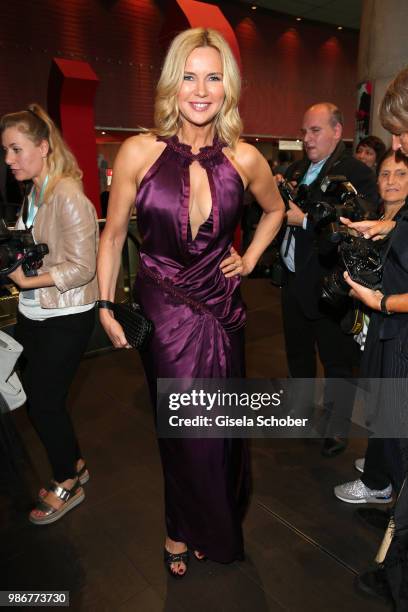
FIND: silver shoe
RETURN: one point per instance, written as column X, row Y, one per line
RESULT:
column 83, row 476
column 355, row 492
column 70, row 497
column 359, row 464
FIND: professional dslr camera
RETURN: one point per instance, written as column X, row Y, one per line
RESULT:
column 360, row 257
column 278, row 273
column 341, row 200
column 17, row 247
column 363, row 260
column 299, row 195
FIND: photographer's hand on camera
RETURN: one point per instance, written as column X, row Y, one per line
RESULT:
column 376, row 230
column 376, row 300
column 30, row 282
column 295, row 216
column 372, row 298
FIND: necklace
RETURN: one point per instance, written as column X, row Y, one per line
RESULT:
column 35, row 203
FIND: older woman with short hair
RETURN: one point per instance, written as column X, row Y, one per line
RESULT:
column 386, row 353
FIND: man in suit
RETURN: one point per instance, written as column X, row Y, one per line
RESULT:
column 307, row 323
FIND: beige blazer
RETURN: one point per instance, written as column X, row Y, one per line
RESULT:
column 67, row 223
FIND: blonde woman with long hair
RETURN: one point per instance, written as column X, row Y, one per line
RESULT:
column 188, row 176
column 56, row 307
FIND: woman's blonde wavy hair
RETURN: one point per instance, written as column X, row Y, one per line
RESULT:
column 228, row 124
column 394, row 107
column 37, row 125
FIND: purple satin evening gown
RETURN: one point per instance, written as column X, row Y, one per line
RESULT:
column 198, row 317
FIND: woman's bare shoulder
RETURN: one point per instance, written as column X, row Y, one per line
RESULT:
column 140, row 143
column 244, row 157
column 137, row 154
column 246, row 153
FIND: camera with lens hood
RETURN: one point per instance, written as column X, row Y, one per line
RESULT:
column 362, row 258
column 17, row 248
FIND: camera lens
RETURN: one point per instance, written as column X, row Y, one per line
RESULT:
column 6, row 259
column 335, row 288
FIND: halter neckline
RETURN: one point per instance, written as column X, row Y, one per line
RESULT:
column 205, row 153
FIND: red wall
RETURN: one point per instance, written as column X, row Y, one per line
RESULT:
column 286, row 65
column 119, row 38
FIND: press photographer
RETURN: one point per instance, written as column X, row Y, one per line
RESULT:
column 338, row 198
column 55, row 315
column 307, row 323
column 363, row 260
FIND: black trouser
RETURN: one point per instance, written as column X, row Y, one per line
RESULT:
column 386, row 359
column 338, row 353
column 376, row 474
column 52, row 351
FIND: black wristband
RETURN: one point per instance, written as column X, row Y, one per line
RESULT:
column 383, row 305
column 105, row 304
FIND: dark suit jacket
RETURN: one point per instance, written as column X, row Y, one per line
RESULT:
column 310, row 264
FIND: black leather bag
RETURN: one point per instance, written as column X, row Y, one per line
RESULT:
column 137, row 328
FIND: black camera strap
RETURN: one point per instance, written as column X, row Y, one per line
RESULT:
column 291, row 233
column 24, row 209
column 28, row 215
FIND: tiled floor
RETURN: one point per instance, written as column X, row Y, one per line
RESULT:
column 303, row 546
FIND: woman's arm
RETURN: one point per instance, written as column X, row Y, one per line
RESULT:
column 78, row 232
column 262, row 185
column 31, row 282
column 76, row 236
column 397, row 302
column 376, row 230
column 121, row 201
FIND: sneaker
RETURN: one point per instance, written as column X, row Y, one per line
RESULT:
column 359, row 464
column 355, row 492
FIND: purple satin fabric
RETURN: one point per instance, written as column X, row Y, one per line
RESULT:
column 198, row 316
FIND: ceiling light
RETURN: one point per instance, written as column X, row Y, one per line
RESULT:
column 253, row 7
column 103, row 133
column 298, row 19
column 339, row 27
column 256, row 139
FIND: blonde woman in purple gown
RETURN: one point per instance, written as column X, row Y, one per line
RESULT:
column 188, row 176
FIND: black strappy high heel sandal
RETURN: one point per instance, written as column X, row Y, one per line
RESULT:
column 170, row 558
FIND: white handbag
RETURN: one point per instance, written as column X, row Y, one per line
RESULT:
column 11, row 390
